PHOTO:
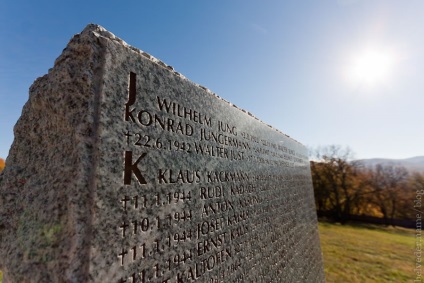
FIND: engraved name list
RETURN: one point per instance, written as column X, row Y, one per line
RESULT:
column 213, row 220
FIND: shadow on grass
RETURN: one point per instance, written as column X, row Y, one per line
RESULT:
column 368, row 226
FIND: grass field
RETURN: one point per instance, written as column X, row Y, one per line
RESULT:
column 367, row 253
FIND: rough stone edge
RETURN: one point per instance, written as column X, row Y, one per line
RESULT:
column 81, row 270
column 101, row 31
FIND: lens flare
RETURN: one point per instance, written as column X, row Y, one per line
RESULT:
column 371, row 67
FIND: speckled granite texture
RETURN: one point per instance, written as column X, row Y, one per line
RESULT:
column 122, row 170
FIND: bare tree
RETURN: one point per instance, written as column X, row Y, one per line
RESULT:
column 389, row 184
column 334, row 178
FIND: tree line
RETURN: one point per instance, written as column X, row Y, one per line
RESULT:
column 343, row 187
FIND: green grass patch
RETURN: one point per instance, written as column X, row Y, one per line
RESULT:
column 367, row 253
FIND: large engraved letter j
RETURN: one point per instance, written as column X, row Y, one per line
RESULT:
column 132, row 90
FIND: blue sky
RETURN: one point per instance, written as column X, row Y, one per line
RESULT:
column 345, row 72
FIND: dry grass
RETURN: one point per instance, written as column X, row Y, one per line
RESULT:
column 367, row 253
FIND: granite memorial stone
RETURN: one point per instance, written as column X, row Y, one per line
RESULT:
column 122, row 170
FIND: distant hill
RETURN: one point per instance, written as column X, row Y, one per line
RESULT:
column 413, row 164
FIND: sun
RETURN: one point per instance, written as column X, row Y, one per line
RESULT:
column 371, row 67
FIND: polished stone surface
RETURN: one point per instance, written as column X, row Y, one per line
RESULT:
column 122, row 170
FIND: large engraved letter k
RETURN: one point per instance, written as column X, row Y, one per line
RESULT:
column 131, row 168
